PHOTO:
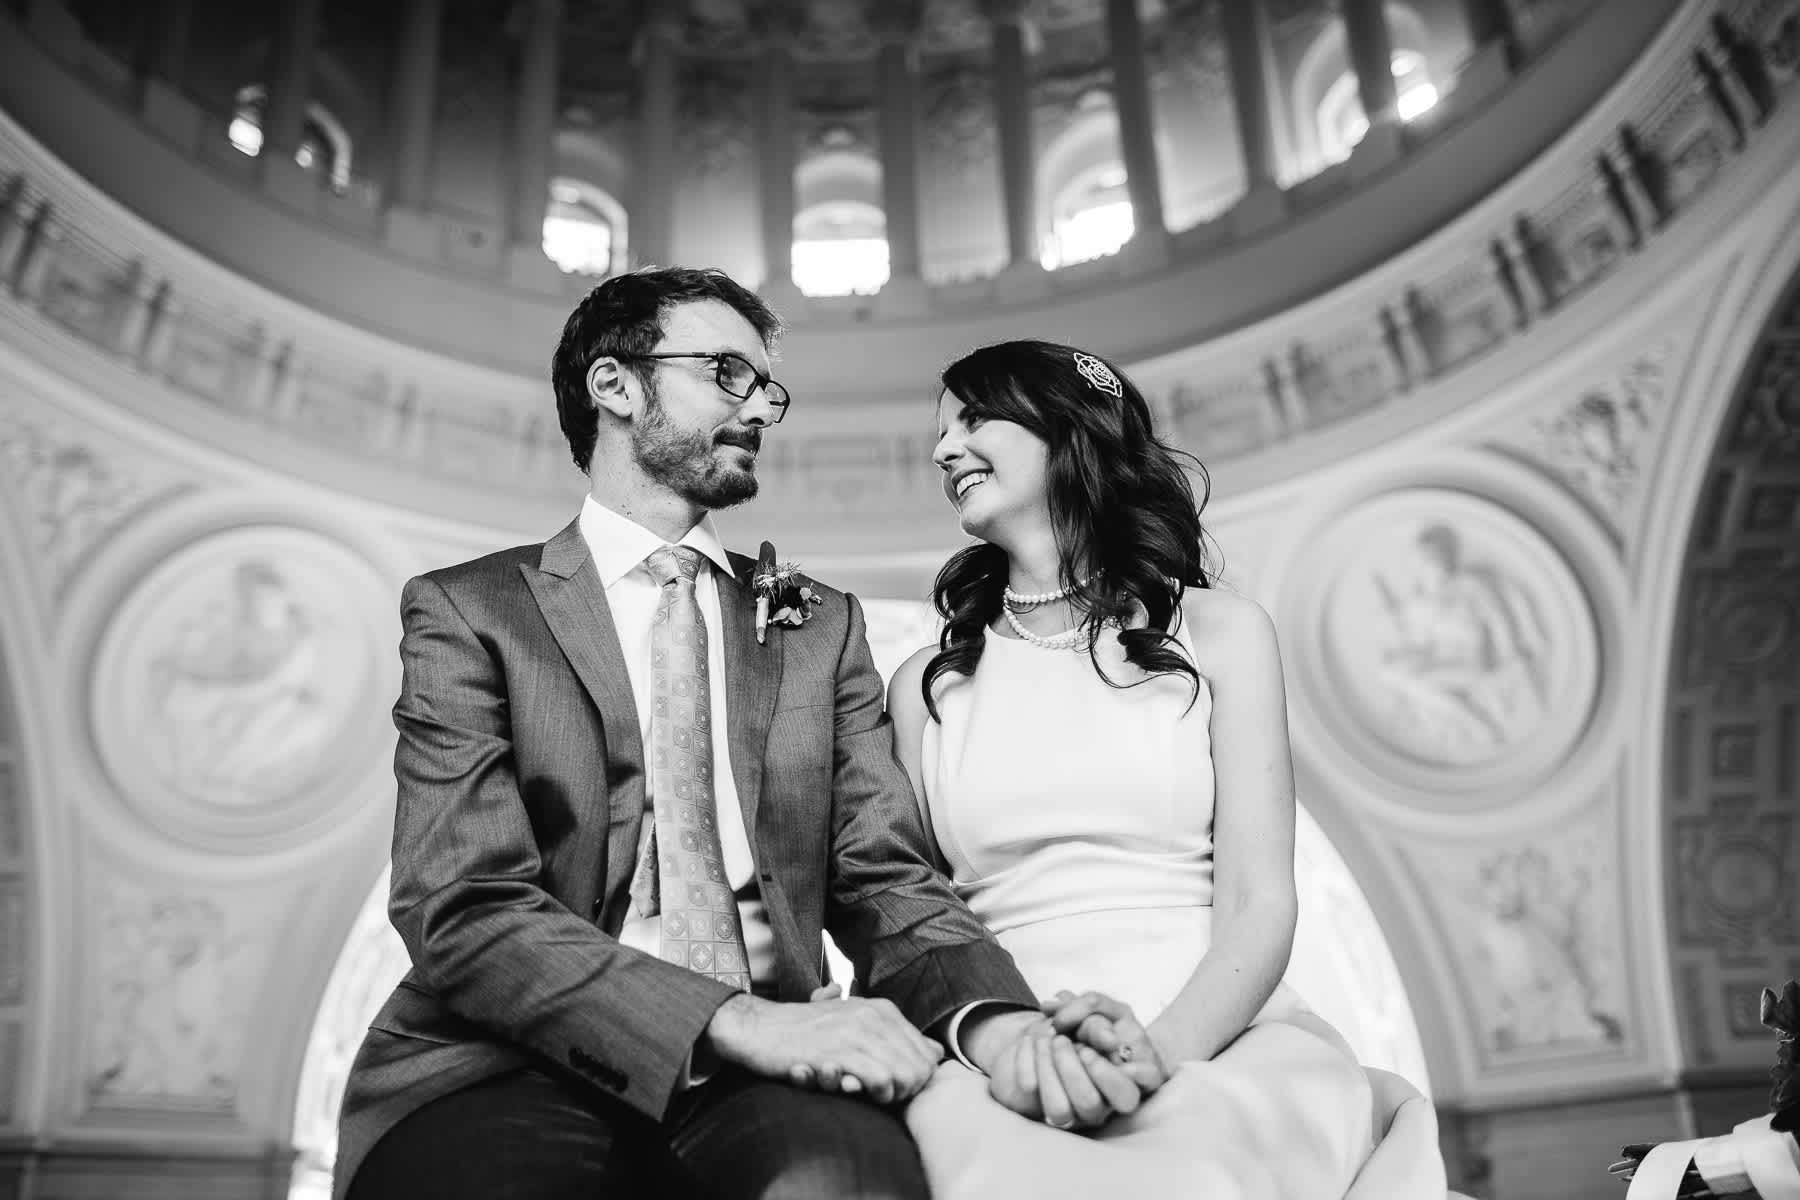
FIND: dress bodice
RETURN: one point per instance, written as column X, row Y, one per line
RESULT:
column 1051, row 792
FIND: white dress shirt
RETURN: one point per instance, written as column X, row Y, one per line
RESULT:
column 619, row 547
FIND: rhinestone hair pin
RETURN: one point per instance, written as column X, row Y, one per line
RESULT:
column 1098, row 374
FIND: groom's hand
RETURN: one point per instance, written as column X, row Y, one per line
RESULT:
column 854, row 1045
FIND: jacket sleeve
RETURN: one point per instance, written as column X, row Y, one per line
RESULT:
column 489, row 942
column 888, row 908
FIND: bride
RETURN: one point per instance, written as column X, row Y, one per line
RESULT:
column 1100, row 749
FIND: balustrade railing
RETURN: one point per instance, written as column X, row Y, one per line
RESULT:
column 79, row 264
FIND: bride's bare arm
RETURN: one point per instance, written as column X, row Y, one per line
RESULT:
column 1254, row 902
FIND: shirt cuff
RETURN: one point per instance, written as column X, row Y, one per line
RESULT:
column 953, row 1030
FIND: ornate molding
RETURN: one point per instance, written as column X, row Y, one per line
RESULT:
column 71, row 495
column 1599, row 443
column 1534, row 928
column 1732, row 855
column 376, row 406
column 174, row 983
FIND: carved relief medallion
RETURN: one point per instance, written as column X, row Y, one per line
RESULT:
column 1452, row 646
column 238, row 689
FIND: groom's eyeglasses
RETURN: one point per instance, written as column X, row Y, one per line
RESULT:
column 735, row 376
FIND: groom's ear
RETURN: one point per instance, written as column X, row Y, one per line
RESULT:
column 607, row 388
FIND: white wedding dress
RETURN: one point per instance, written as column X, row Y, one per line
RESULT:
column 1076, row 820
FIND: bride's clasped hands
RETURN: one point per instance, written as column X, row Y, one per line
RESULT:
column 1076, row 1065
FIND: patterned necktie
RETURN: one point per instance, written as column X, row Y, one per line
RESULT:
column 681, row 873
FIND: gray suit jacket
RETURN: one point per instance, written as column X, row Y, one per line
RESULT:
column 521, row 790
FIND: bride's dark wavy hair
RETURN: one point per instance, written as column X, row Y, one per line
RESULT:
column 1120, row 502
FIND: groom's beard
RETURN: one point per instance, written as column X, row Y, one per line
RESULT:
column 691, row 461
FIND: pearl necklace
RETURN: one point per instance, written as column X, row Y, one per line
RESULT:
column 1068, row 639
column 1014, row 599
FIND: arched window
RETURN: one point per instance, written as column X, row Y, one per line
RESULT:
column 840, row 249
column 584, row 229
column 324, row 142
column 1341, row 121
column 1089, row 218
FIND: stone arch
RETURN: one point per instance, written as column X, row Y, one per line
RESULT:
column 1731, row 732
column 22, row 912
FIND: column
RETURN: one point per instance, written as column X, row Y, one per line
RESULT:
column 55, row 27
column 19, row 219
column 534, row 119
column 1247, row 51
column 1491, row 22
column 166, row 40
column 36, row 254
column 659, row 94
column 1372, row 58
column 162, row 315
column 775, row 143
column 412, row 105
column 290, row 78
column 1012, row 121
column 1137, row 129
column 898, row 26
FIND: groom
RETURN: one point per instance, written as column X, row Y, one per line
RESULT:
column 624, row 818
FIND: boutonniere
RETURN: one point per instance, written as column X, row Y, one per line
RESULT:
column 783, row 595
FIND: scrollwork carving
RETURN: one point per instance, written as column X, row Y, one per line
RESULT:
column 1595, row 443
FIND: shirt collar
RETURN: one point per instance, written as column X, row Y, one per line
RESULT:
column 618, row 544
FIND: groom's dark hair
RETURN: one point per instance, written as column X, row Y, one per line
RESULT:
column 624, row 317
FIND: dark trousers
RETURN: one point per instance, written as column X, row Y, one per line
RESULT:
column 532, row 1135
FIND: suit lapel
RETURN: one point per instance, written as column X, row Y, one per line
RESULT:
column 569, row 594
column 752, row 677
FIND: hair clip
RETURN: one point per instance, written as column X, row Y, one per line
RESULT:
column 1098, row 374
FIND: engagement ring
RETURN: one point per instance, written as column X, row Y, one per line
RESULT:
column 1124, row 1054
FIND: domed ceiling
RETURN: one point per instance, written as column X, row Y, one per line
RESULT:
column 600, row 35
